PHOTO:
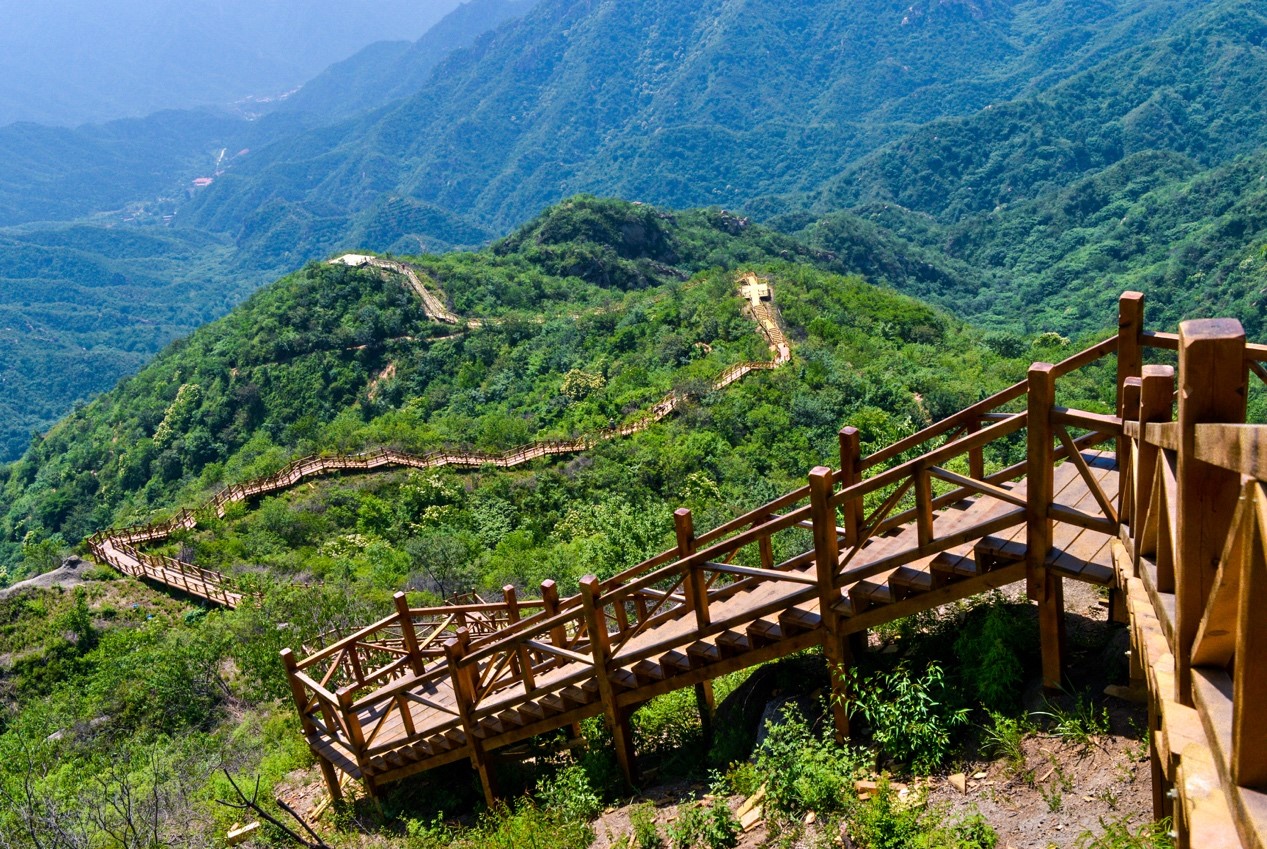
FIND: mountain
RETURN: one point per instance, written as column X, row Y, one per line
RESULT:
column 923, row 143
column 639, row 300
column 715, row 102
column 65, row 63
column 1142, row 172
column 390, row 70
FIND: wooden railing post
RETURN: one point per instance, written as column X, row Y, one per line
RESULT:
column 1044, row 587
column 1130, row 349
column 464, row 695
column 550, row 601
column 695, row 587
column 826, row 562
column 600, row 647
column 1213, row 378
column 923, row 506
column 328, row 771
column 1156, row 404
column 1128, row 455
column 976, row 456
column 850, row 474
column 408, row 634
column 523, row 659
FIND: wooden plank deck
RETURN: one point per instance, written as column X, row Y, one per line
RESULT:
column 677, row 653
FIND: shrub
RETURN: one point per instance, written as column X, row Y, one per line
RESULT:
column 646, row 834
column 910, row 717
column 992, row 646
column 569, row 796
column 889, row 822
column 713, row 827
column 803, row 772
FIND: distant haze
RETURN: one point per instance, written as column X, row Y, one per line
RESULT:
column 75, row 61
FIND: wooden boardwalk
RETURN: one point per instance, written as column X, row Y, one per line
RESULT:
column 1176, row 531
column 119, row 548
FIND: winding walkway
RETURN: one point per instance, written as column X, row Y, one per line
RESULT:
column 119, row 548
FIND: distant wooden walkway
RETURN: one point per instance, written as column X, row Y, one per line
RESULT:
column 119, row 548
column 1177, row 531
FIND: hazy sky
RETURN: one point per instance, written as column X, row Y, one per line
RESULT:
column 71, row 61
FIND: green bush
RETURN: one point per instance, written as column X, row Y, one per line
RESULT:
column 805, row 773
column 890, row 822
column 645, row 832
column 910, row 718
column 711, row 827
column 992, row 648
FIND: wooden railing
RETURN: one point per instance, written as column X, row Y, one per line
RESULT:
column 793, row 541
column 1193, row 563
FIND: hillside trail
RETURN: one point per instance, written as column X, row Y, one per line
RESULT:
column 120, row 548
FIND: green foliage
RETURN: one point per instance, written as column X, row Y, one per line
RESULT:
column 646, row 834
column 993, row 645
column 699, row 826
column 803, row 772
column 910, row 717
column 1079, row 723
column 1003, row 738
column 569, row 796
column 1119, row 834
column 889, row 822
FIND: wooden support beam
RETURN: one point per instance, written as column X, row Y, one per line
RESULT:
column 924, row 506
column 464, row 693
column 850, row 474
column 600, row 644
column 1046, row 587
column 1213, row 382
column 706, row 704
column 408, row 634
column 826, row 562
column 696, row 586
column 523, row 658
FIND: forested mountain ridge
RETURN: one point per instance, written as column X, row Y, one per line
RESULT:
column 930, row 140
column 676, row 103
column 636, row 300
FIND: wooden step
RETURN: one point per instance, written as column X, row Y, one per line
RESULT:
column 511, row 718
column 733, row 644
column 394, row 759
column 456, row 738
column 575, row 696
column 907, row 581
column 673, row 662
column 624, row 679
column 995, row 552
column 489, row 726
column 868, row 594
column 647, row 672
column 701, row 654
column 531, row 712
column 764, row 633
column 844, row 607
column 953, row 567
column 552, row 702
column 797, row 621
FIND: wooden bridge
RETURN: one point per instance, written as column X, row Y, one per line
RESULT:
column 1176, row 531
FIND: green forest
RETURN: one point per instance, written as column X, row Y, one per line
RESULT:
column 588, row 314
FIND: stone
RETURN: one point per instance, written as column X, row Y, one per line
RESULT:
column 959, row 781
